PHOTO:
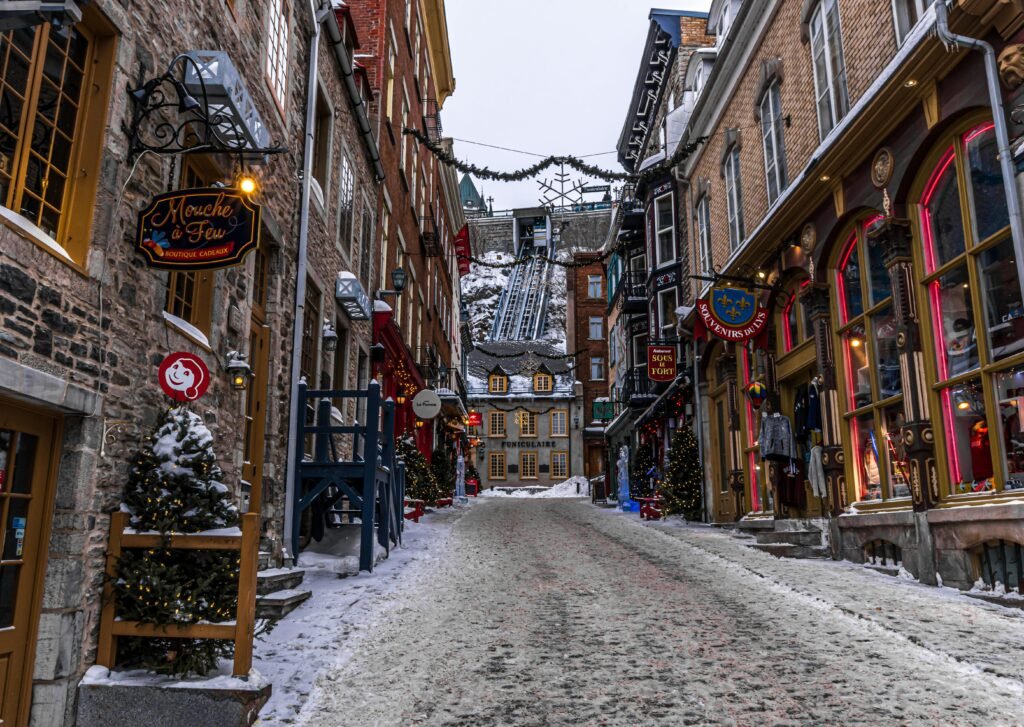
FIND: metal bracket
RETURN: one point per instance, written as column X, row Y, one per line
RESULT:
column 110, row 428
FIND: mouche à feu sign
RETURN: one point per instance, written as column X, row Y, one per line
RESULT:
column 198, row 229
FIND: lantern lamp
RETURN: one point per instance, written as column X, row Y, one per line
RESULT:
column 330, row 337
column 400, row 398
column 398, row 276
column 247, row 184
column 419, row 423
column 238, row 370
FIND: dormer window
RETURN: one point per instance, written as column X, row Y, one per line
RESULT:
column 497, row 383
column 907, row 13
column 698, row 77
column 722, row 28
column 543, row 383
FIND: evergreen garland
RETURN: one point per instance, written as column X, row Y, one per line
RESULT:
column 684, row 480
column 579, row 165
column 641, row 478
column 174, row 486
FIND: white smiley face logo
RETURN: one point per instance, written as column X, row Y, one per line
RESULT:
column 185, row 376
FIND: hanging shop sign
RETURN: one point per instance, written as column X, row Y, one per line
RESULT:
column 462, row 250
column 198, row 229
column 604, row 410
column 661, row 363
column 183, row 376
column 476, row 419
column 730, row 313
column 426, row 404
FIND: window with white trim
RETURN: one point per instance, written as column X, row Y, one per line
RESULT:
column 772, row 142
column 665, row 229
column 277, row 50
column 704, row 233
column 496, row 465
column 829, row 68
column 734, row 197
column 596, row 328
column 559, row 465
column 906, row 14
column 346, row 205
column 593, row 286
column 560, row 423
column 597, row 368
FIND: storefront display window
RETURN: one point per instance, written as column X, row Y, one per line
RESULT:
column 761, row 498
column 956, row 351
column 871, row 371
column 972, row 283
column 1010, row 402
column 794, row 323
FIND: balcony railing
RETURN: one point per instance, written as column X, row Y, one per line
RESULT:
column 429, row 237
column 631, row 293
column 637, row 389
column 432, row 119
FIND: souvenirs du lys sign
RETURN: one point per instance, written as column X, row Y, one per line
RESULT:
column 730, row 313
column 198, row 229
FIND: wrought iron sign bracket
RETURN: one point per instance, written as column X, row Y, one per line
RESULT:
column 749, row 282
column 198, row 106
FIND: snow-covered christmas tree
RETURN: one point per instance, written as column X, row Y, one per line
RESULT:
column 175, row 486
column 420, row 482
column 681, row 488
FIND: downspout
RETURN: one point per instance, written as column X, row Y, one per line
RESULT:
column 951, row 40
column 300, row 281
column 358, row 107
column 698, row 425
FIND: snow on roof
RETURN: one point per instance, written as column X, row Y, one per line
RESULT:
column 380, row 306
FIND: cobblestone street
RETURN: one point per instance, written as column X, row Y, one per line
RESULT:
column 555, row 612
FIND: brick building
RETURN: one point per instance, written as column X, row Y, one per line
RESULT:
column 84, row 322
column 587, row 332
column 404, row 50
column 857, row 182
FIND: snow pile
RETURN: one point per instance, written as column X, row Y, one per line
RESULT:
column 481, row 292
column 220, row 678
column 562, row 489
column 554, row 326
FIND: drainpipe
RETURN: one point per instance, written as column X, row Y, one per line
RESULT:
column 698, row 426
column 951, row 40
column 358, row 107
column 300, row 282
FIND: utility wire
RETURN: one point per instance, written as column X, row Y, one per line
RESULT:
column 528, row 153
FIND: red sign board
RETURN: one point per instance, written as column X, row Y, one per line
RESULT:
column 661, row 363
column 462, row 251
column 198, row 229
column 184, row 376
column 476, row 419
column 731, row 314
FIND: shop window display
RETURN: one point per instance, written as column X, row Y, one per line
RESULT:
column 870, row 369
column 972, row 283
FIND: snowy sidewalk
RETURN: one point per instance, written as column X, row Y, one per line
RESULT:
column 322, row 633
column 554, row 612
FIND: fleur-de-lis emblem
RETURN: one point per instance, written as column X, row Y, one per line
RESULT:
column 733, row 313
column 724, row 300
column 743, row 303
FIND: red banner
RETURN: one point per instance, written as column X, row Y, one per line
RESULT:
column 476, row 419
column 661, row 363
column 462, row 251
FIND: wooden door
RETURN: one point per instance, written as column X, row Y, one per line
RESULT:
column 718, row 451
column 256, row 413
column 27, row 466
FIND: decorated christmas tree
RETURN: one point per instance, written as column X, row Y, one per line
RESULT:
column 641, row 475
column 175, row 486
column 681, row 488
column 444, row 471
column 420, row 482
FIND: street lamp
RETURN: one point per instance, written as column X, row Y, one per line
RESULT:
column 330, row 337
column 398, row 276
column 238, row 370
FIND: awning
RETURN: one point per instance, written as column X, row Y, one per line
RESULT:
column 670, row 391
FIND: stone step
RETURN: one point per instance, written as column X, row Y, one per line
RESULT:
column 280, row 603
column 278, row 579
column 790, row 537
column 888, row 570
column 753, row 524
column 264, row 559
column 787, row 550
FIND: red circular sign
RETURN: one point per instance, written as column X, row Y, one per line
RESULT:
column 184, row 376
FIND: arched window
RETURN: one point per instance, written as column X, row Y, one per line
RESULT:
column 794, row 324
column 976, row 314
column 870, row 368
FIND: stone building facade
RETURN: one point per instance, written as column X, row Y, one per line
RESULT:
column 868, row 203
column 84, row 323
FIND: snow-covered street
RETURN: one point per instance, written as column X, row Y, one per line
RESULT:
column 552, row 612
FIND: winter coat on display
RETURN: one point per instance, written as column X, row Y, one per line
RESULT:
column 776, row 438
column 816, row 472
column 812, row 422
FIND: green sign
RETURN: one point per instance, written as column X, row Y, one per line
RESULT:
column 604, row 410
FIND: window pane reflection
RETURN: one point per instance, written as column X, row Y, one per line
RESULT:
column 1003, row 310
column 866, row 469
column 851, row 301
column 859, row 375
column 1010, row 398
column 887, row 358
column 896, row 454
column 953, row 321
column 988, row 199
column 942, row 225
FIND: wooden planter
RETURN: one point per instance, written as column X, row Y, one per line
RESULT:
column 241, row 631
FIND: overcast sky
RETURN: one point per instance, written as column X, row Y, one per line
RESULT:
column 544, row 76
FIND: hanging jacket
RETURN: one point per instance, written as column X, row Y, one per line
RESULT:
column 813, row 420
column 816, row 472
column 776, row 438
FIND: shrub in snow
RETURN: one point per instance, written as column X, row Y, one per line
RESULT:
column 444, row 471
column 681, row 488
column 175, row 486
